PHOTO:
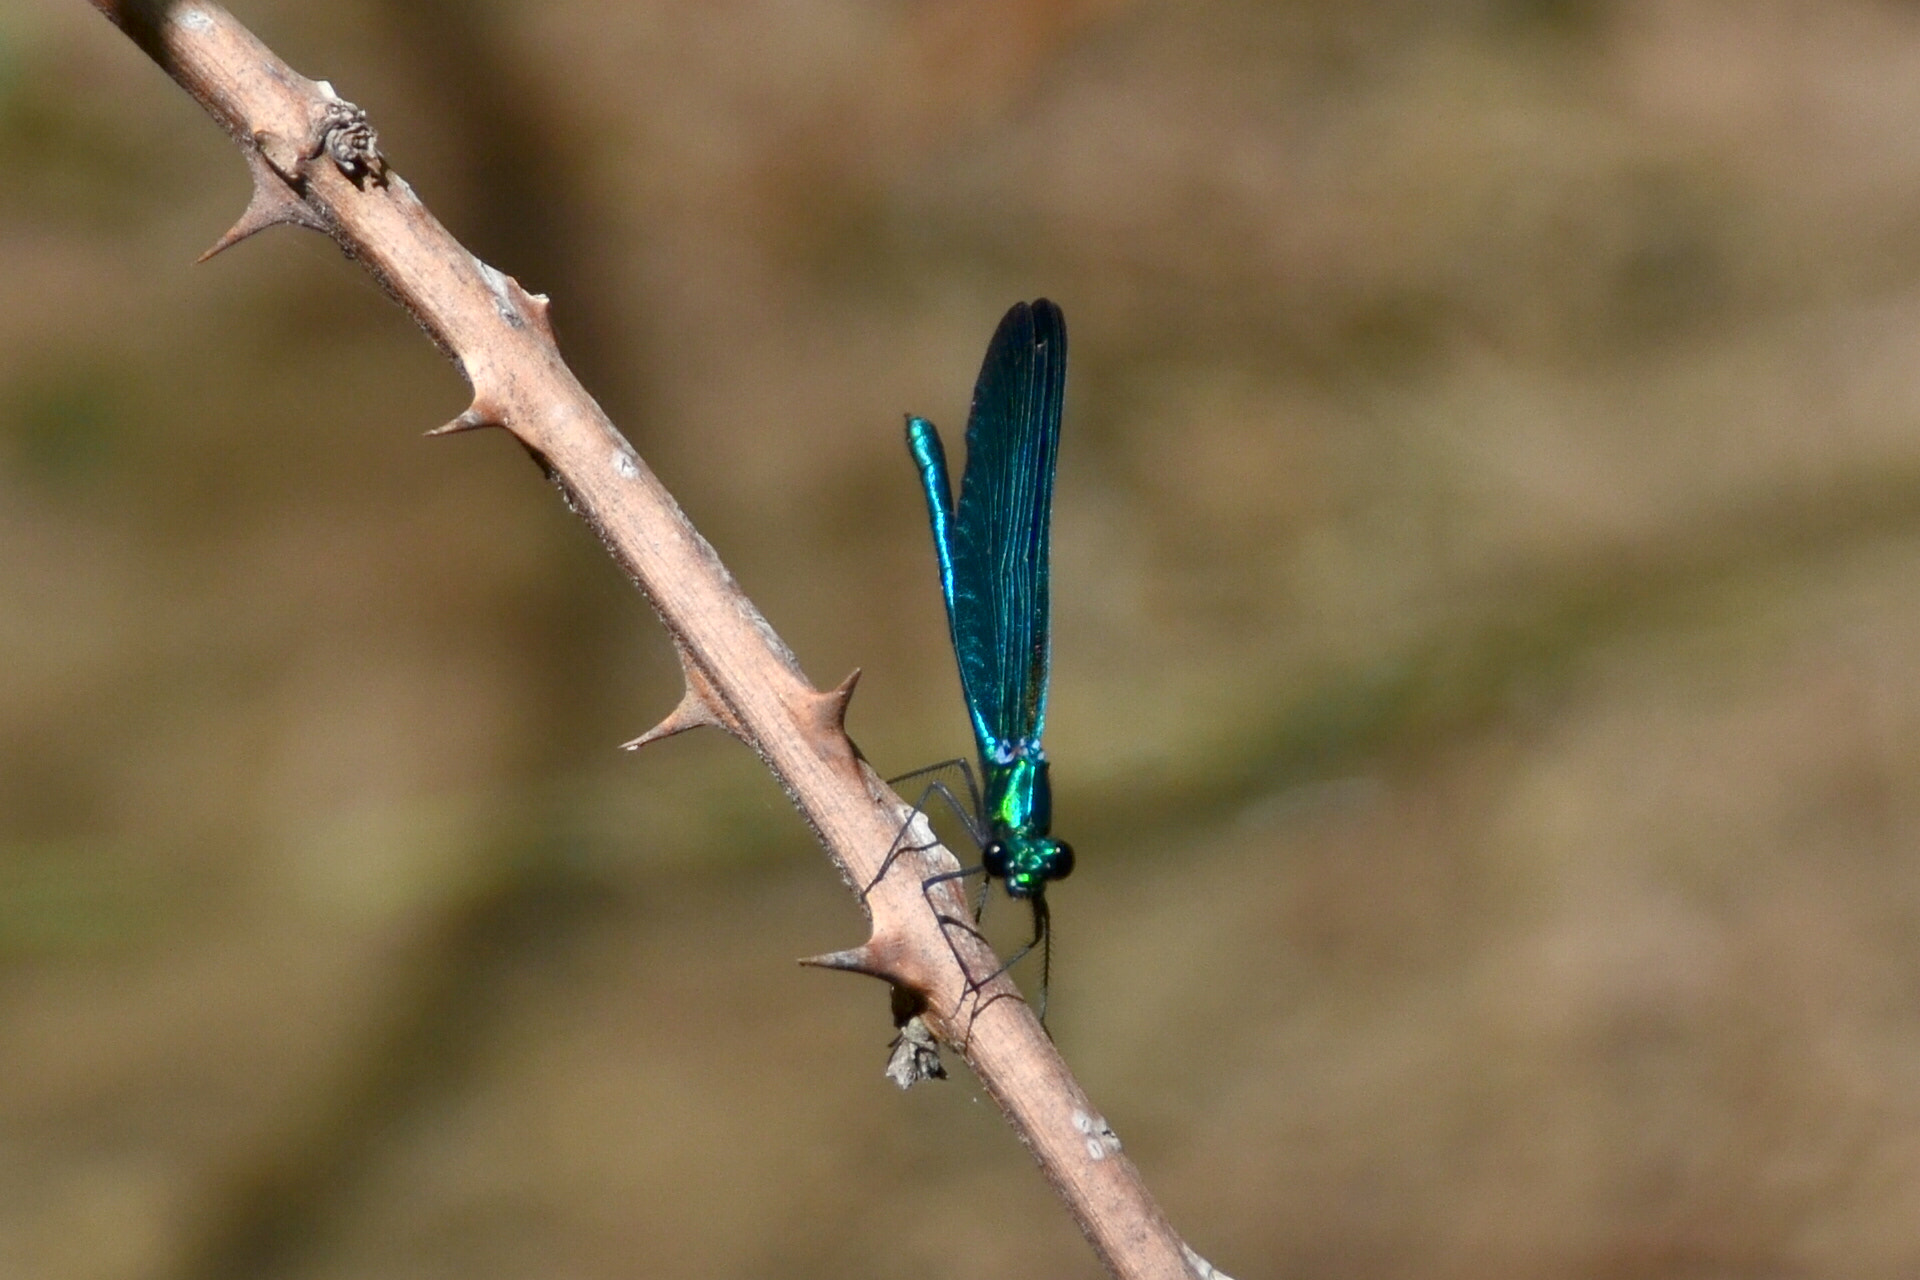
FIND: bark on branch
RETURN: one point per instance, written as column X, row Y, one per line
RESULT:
column 316, row 163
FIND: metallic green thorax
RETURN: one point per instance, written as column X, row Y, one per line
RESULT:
column 1019, row 804
column 992, row 546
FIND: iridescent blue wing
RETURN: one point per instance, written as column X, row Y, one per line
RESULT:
column 1000, row 536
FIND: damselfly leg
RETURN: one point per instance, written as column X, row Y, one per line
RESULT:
column 967, row 813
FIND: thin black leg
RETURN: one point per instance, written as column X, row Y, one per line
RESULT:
column 945, row 793
column 966, row 771
column 1042, row 938
column 1043, row 934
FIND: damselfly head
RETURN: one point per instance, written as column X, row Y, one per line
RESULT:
column 1027, row 862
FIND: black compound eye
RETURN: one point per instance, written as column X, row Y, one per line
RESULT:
column 994, row 856
column 1062, row 860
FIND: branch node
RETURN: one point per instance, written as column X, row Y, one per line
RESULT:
column 340, row 131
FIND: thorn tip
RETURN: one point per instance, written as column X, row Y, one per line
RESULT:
column 474, row 418
column 855, row 960
column 694, row 712
column 830, row 706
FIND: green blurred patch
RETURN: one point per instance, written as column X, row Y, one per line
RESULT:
column 76, row 161
column 9, row 63
column 66, row 425
column 65, row 898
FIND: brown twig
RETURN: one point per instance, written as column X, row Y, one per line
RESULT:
column 316, row 163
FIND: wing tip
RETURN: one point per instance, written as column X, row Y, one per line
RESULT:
column 1049, row 327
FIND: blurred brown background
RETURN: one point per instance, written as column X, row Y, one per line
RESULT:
column 1487, row 655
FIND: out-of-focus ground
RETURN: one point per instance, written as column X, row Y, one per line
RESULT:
column 1487, row 660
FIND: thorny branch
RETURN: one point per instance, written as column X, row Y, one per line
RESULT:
column 316, row 163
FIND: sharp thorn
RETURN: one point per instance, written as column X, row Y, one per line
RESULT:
column 272, row 204
column 856, row 960
column 699, row 706
column 474, row 419
column 694, row 712
column 830, row 708
column 538, row 309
